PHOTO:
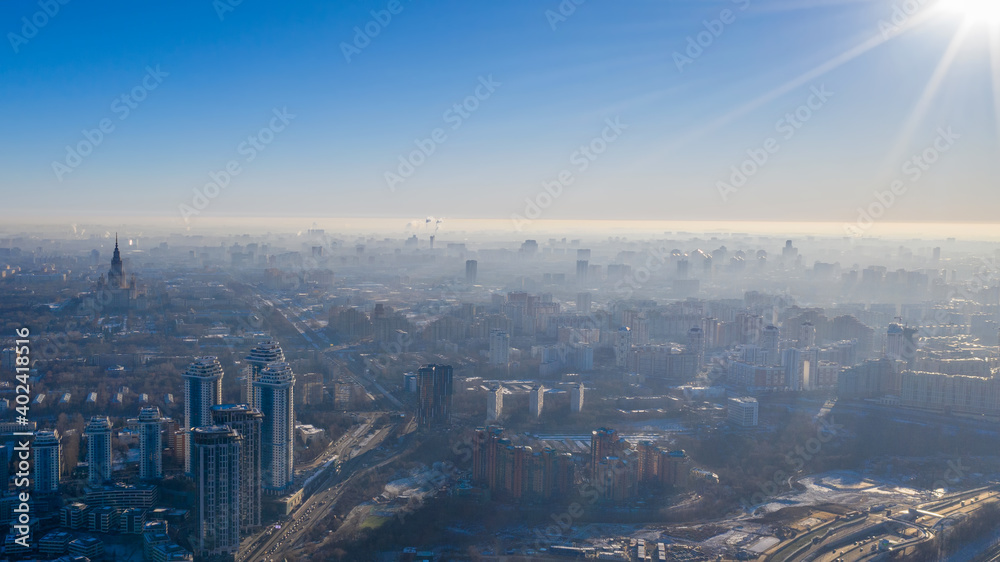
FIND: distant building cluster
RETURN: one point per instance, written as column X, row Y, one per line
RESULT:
column 544, row 334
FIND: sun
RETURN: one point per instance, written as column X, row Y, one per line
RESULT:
column 975, row 11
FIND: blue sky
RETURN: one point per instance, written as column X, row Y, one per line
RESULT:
column 557, row 82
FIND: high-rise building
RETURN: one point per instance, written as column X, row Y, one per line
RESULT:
column 789, row 252
column 494, row 404
column 807, row 335
column 247, row 422
column 791, row 361
column 648, row 457
column 900, row 343
column 499, row 347
column 98, row 433
column 150, row 443
column 623, row 347
column 664, row 364
column 202, row 390
column 582, row 269
column 215, row 465
column 484, row 453
column 870, row 379
column 536, row 401
column 434, row 395
column 576, row 398
column 618, row 479
column 471, row 271
column 743, row 411
column 809, row 369
column 47, row 452
column 894, row 342
column 751, row 327
column 696, row 344
column 604, row 443
column 517, row 472
column 583, row 303
column 266, row 351
column 770, row 341
column 683, row 269
column 274, row 393
column 638, row 323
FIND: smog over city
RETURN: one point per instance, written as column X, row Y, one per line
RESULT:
column 690, row 280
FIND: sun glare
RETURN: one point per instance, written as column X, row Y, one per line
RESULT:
column 975, row 11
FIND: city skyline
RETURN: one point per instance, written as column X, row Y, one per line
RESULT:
column 534, row 280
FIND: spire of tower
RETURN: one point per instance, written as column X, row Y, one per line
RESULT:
column 116, row 240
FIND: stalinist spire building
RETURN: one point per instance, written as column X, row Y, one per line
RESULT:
column 116, row 291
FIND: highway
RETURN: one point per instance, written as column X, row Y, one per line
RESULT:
column 320, row 342
column 316, row 505
column 354, row 449
column 858, row 543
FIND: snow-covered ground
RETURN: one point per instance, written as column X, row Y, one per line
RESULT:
column 843, row 487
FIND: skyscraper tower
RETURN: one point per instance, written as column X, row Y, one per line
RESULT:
column 98, row 432
column 247, row 422
column 47, row 453
column 265, row 352
column 471, row 271
column 274, row 393
column 434, row 393
column 150, row 444
column 202, row 390
column 215, row 465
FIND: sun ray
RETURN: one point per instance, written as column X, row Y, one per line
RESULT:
column 919, row 111
column 995, row 63
column 804, row 78
column 777, row 92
